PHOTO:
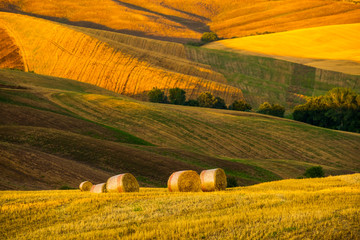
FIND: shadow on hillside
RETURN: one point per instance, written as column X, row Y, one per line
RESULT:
column 88, row 24
column 204, row 19
column 191, row 24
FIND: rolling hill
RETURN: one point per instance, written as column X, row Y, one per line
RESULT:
column 183, row 21
column 74, row 83
column 334, row 47
column 133, row 66
column 53, row 49
column 69, row 123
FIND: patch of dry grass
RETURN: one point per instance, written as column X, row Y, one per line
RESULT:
column 310, row 208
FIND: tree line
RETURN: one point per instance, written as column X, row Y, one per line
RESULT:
column 177, row 96
column 337, row 109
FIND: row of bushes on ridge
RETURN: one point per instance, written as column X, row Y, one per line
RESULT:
column 337, row 109
column 177, row 96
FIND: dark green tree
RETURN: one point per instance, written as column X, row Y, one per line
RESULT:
column 206, row 99
column 337, row 109
column 209, row 37
column 277, row 110
column 177, row 96
column 271, row 109
column 314, row 172
column 240, row 105
column 192, row 102
column 219, row 103
column 156, row 95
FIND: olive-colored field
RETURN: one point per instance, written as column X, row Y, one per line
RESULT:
column 326, row 208
column 335, row 47
column 186, row 20
column 54, row 118
column 267, row 79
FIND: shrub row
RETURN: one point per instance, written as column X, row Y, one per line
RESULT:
column 337, row 109
column 177, row 96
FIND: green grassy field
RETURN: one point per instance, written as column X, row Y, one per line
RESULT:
column 69, row 124
column 324, row 208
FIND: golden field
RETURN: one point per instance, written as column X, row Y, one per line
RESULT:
column 67, row 72
column 133, row 65
column 322, row 208
column 334, row 47
column 53, row 49
column 186, row 20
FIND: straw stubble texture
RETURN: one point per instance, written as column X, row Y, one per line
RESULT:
column 184, row 181
column 125, row 182
column 213, row 180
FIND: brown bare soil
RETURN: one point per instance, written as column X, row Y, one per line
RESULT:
column 23, row 167
column 46, row 157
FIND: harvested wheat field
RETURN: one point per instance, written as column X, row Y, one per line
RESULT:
column 182, row 21
column 133, row 65
column 322, row 208
column 334, row 47
column 53, row 49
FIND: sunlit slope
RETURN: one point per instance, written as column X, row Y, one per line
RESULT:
column 10, row 53
column 142, row 19
column 166, row 55
column 195, row 136
column 244, row 18
column 311, row 46
column 184, row 20
column 326, row 208
column 56, row 50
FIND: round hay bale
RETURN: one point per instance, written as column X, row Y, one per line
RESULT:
column 184, row 181
column 125, row 182
column 213, row 180
column 85, row 186
column 98, row 188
